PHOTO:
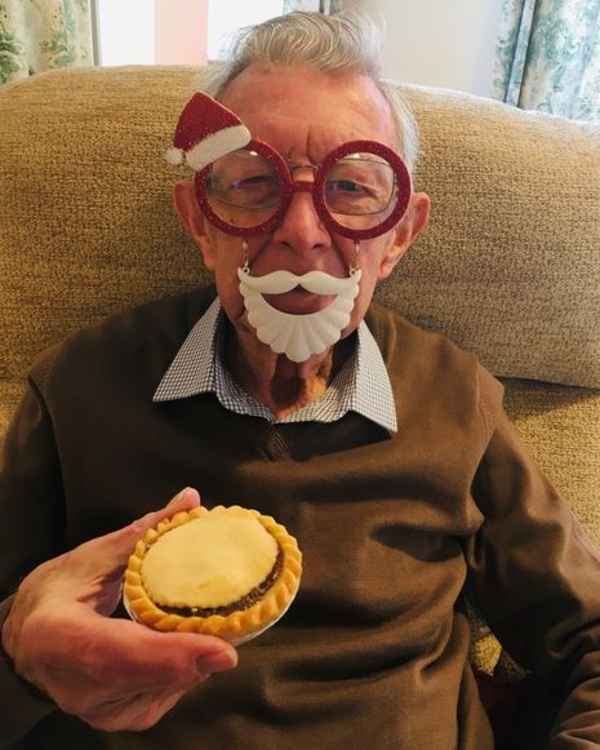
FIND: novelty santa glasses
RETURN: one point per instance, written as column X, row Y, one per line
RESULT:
column 361, row 189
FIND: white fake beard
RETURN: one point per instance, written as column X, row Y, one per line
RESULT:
column 298, row 336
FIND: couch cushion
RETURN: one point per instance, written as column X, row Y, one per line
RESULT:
column 510, row 264
column 10, row 395
column 85, row 202
column 561, row 427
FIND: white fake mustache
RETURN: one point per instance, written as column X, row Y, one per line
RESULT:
column 279, row 282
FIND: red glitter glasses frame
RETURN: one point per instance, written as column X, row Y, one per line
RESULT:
column 289, row 187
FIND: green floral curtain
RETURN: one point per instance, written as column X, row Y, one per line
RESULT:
column 37, row 35
column 548, row 57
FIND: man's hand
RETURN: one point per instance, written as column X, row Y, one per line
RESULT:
column 112, row 673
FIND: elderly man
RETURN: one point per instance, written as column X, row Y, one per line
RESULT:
column 382, row 448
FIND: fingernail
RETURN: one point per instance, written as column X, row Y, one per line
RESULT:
column 218, row 662
column 179, row 495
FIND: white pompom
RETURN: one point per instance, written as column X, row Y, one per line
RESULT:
column 174, row 156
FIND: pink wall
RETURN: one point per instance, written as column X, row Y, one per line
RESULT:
column 180, row 32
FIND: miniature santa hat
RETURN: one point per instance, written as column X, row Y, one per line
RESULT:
column 206, row 130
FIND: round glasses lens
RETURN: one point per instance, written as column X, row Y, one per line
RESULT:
column 243, row 188
column 360, row 190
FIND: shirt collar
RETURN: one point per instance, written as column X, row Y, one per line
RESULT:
column 363, row 385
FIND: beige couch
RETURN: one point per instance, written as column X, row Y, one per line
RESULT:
column 510, row 266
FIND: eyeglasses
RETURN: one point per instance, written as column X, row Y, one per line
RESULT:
column 361, row 189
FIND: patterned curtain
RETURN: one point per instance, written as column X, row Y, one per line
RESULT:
column 548, row 57
column 37, row 35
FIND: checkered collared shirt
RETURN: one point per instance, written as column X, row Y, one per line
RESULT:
column 362, row 385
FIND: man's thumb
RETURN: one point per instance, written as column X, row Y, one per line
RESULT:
column 123, row 541
column 186, row 499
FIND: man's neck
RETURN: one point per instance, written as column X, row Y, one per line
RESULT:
column 281, row 385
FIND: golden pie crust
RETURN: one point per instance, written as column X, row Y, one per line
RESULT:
column 231, row 571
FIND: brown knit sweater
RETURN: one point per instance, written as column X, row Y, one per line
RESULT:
column 374, row 651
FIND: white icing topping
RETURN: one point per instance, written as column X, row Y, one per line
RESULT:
column 210, row 561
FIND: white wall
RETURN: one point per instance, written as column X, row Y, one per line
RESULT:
column 181, row 32
column 173, row 32
column 126, row 32
column 447, row 43
column 226, row 16
column 152, row 32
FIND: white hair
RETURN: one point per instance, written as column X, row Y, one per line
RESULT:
column 348, row 42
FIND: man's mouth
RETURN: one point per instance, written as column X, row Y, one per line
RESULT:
column 299, row 301
column 294, row 294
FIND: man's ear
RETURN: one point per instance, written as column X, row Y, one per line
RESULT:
column 192, row 218
column 414, row 222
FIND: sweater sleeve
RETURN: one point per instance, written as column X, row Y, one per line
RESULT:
column 23, row 706
column 536, row 578
column 32, row 509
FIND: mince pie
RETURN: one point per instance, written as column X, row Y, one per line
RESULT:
column 229, row 572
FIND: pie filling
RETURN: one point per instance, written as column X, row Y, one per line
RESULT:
column 247, row 601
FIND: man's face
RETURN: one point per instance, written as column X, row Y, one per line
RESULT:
column 304, row 114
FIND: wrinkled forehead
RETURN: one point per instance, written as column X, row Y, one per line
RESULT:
column 305, row 114
column 300, row 141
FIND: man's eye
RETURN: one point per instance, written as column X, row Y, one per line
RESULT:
column 250, row 183
column 345, row 186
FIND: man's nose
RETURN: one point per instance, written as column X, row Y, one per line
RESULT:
column 302, row 228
